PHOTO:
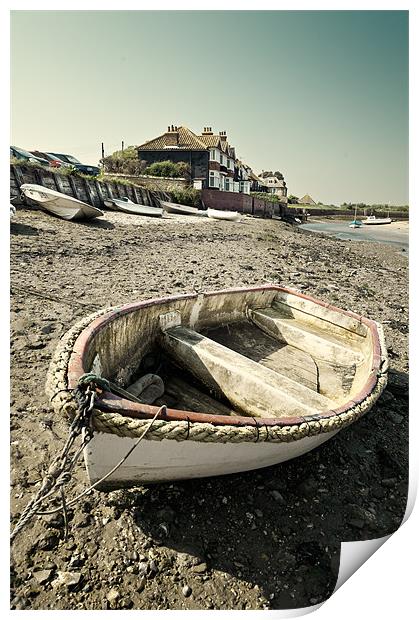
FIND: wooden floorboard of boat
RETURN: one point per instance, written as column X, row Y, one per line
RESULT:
column 189, row 398
column 247, row 339
column 321, row 344
column 248, row 385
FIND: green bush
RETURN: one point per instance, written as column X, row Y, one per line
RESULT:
column 119, row 163
column 186, row 196
column 168, row 169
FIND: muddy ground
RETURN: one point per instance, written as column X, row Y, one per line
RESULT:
column 267, row 539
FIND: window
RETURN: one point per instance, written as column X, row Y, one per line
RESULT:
column 212, row 155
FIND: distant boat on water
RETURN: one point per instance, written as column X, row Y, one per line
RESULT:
column 355, row 223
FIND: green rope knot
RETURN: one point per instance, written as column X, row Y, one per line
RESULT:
column 90, row 377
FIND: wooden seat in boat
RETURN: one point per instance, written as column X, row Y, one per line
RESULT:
column 251, row 387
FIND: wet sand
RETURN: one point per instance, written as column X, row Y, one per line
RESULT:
column 267, row 539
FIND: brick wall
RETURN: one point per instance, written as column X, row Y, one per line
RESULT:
column 243, row 203
column 227, row 201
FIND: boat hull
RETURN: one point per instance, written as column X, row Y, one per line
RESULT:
column 231, row 216
column 163, row 461
column 377, row 221
column 133, row 209
column 172, row 207
column 61, row 205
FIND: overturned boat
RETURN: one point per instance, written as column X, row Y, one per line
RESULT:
column 217, row 214
column 248, row 377
column 127, row 206
column 62, row 205
column 173, row 207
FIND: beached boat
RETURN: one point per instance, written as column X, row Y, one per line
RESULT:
column 251, row 377
column 173, row 207
column 62, row 205
column 127, row 206
column 217, row 214
column 12, row 210
column 371, row 219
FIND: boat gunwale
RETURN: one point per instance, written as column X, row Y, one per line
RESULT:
column 109, row 402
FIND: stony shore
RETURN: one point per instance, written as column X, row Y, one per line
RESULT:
column 267, row 539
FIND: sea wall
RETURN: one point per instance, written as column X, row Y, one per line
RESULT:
column 88, row 190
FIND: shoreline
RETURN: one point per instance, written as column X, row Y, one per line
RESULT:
column 401, row 225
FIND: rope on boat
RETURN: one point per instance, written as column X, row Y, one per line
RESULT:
column 59, row 472
column 62, row 400
column 113, row 470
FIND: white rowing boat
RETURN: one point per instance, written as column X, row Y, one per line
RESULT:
column 62, row 205
column 251, row 377
column 127, row 206
column 217, row 214
column 173, row 207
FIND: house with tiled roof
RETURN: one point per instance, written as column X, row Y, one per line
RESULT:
column 275, row 186
column 212, row 160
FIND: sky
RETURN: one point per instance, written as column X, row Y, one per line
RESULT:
column 321, row 96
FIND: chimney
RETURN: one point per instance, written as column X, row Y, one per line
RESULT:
column 171, row 137
column 223, row 135
column 207, row 131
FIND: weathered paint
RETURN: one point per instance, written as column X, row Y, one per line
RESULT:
column 160, row 461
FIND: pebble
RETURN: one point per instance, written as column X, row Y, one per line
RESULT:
column 396, row 418
column 186, row 591
column 68, row 579
column 278, row 497
column 112, row 596
column 143, row 568
column 42, row 576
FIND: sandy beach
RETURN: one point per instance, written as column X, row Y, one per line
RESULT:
column 267, row 539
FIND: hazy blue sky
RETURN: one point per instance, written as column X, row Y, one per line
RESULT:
column 320, row 95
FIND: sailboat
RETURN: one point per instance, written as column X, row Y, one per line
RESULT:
column 355, row 223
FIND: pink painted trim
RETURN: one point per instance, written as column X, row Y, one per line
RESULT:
column 112, row 403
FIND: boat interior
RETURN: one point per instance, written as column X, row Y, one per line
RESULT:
column 266, row 353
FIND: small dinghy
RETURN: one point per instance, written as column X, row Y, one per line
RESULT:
column 127, row 206
column 247, row 378
column 173, row 207
column 62, row 205
column 231, row 216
